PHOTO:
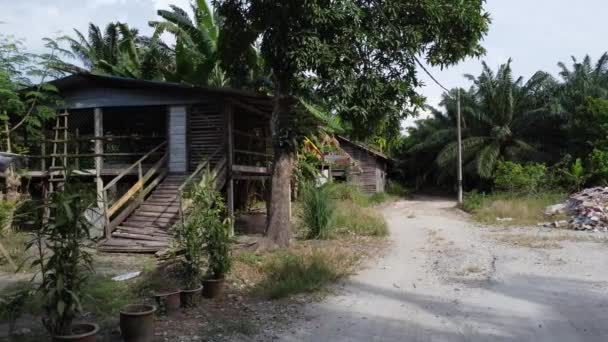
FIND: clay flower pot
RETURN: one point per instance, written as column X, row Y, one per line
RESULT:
column 137, row 323
column 190, row 298
column 168, row 302
column 81, row 332
column 213, row 288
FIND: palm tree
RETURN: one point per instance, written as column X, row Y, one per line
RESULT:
column 499, row 116
column 120, row 51
column 582, row 83
column 199, row 45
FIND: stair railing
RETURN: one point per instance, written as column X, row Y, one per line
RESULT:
column 136, row 194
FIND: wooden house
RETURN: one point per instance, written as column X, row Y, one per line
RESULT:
column 366, row 169
column 140, row 142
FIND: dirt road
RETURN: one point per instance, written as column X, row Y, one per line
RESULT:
column 447, row 279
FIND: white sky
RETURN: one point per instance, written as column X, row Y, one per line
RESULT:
column 535, row 33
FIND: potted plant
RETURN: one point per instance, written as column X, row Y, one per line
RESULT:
column 137, row 323
column 218, row 251
column 168, row 301
column 216, row 239
column 65, row 264
column 189, row 240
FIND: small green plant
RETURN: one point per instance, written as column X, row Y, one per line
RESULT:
column 318, row 211
column 473, row 201
column 12, row 306
column 104, row 297
column 575, row 175
column 67, row 265
column 517, row 178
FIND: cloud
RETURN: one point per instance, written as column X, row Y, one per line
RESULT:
column 33, row 20
column 164, row 4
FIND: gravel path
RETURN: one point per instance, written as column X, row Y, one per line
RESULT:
column 446, row 279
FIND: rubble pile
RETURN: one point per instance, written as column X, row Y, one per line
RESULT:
column 588, row 210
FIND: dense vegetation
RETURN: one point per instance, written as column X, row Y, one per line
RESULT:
column 518, row 136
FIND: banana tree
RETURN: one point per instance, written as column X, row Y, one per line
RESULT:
column 199, row 48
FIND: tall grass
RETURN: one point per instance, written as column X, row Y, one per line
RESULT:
column 338, row 209
column 318, row 211
column 352, row 219
column 348, row 192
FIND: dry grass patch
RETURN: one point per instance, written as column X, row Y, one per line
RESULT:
column 544, row 241
column 510, row 210
column 306, row 267
column 471, row 269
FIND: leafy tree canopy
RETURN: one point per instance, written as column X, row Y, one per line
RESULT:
column 358, row 57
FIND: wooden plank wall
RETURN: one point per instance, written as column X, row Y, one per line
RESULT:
column 372, row 175
column 205, row 132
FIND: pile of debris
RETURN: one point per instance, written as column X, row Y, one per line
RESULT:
column 588, row 210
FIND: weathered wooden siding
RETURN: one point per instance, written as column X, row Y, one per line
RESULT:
column 177, row 139
column 372, row 175
column 205, row 131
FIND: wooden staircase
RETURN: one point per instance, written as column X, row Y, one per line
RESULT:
column 147, row 228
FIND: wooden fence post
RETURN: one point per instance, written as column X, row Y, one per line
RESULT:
column 228, row 109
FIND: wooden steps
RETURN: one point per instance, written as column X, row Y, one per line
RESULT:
column 146, row 230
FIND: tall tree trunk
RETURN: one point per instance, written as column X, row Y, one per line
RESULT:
column 279, row 227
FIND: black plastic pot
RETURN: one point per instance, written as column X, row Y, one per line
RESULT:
column 81, row 332
column 137, row 323
column 213, row 288
column 168, row 302
column 190, row 298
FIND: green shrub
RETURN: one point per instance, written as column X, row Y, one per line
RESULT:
column 598, row 160
column 100, row 296
column 574, row 175
column 353, row 219
column 518, row 178
column 396, row 189
column 318, row 211
column 347, row 192
column 13, row 305
column 472, row 201
column 379, row 198
column 6, row 215
column 289, row 273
